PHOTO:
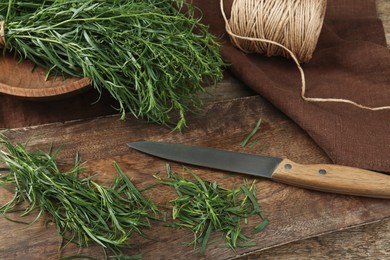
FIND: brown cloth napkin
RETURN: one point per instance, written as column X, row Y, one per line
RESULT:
column 351, row 61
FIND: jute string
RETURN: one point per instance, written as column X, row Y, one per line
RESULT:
column 2, row 34
column 289, row 28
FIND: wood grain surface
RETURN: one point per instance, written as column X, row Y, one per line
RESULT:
column 333, row 178
column 294, row 213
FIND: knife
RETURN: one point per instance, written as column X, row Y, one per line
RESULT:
column 322, row 177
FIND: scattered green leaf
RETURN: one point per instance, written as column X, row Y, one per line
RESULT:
column 82, row 210
column 251, row 134
column 252, row 145
column 204, row 207
column 262, row 147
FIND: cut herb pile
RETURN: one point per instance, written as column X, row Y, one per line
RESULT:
column 150, row 55
column 82, row 210
column 204, row 207
column 85, row 211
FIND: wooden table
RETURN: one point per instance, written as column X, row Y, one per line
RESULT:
column 344, row 239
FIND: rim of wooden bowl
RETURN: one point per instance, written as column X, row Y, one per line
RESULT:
column 25, row 80
column 69, row 87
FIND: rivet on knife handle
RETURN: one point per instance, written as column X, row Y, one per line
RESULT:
column 334, row 179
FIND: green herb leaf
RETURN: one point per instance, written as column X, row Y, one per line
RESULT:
column 261, row 226
column 152, row 56
column 204, row 207
column 82, row 210
column 251, row 134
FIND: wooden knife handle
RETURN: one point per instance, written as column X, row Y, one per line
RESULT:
column 334, row 179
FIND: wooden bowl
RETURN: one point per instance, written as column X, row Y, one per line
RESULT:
column 23, row 80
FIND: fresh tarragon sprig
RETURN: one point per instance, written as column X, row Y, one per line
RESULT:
column 153, row 56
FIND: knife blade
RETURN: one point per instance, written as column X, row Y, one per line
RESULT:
column 321, row 177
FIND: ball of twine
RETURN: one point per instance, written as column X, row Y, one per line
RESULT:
column 295, row 24
column 288, row 28
column 2, row 34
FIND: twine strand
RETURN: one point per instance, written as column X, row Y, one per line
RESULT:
column 2, row 34
column 248, row 34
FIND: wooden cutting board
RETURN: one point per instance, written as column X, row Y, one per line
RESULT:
column 294, row 213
